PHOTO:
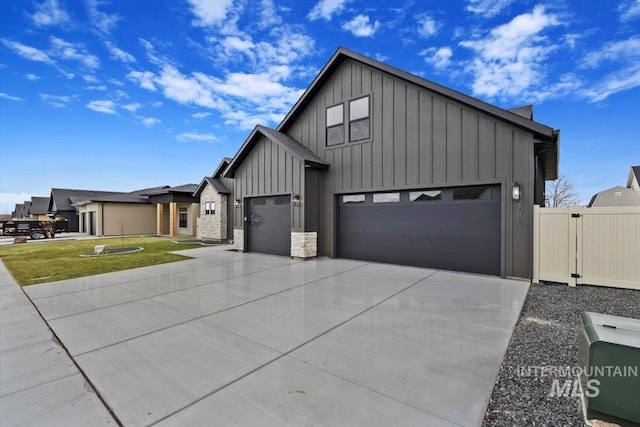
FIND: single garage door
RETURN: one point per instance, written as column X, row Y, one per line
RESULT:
column 452, row 229
column 269, row 225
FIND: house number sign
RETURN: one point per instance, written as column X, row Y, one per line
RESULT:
column 520, row 213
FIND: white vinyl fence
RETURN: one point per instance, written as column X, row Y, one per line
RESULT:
column 593, row 246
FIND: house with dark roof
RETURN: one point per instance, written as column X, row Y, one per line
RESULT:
column 633, row 182
column 161, row 210
column 216, row 211
column 374, row 163
column 18, row 211
column 39, row 208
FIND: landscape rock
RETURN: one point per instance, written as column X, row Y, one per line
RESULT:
column 20, row 239
column 101, row 249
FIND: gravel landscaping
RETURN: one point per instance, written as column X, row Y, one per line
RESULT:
column 546, row 335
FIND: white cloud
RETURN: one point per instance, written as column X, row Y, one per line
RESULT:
column 89, row 78
column 629, row 10
column 201, row 115
column 427, row 26
column 144, row 78
column 614, row 51
column 621, row 56
column 210, row 13
column 133, row 107
column 102, row 21
column 614, row 82
column 28, row 52
column 57, row 101
column 119, row 54
column 102, row 106
column 96, row 87
column 487, row 8
column 440, row 58
column 325, row 9
column 157, row 104
column 194, row 136
column 268, row 15
column 187, row 90
column 361, row 27
column 76, row 52
column 31, row 76
column 509, row 61
column 149, row 121
column 119, row 94
column 234, row 43
column 49, row 13
column 9, row 97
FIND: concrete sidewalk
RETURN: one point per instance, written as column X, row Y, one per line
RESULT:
column 39, row 383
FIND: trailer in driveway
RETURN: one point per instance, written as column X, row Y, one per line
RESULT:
column 34, row 229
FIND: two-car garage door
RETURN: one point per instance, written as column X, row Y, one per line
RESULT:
column 452, row 229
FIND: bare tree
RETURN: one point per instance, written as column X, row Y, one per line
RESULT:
column 560, row 193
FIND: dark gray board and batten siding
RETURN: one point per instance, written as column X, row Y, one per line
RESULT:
column 269, row 170
column 419, row 139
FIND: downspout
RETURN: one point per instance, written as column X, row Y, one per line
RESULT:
column 102, row 218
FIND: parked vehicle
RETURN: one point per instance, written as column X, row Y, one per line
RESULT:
column 34, row 229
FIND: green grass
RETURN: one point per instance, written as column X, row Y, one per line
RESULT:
column 34, row 263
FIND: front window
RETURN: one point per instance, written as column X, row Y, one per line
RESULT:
column 335, row 125
column 182, row 217
column 359, row 119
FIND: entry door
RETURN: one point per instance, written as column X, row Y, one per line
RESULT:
column 269, row 225
column 92, row 223
column 451, row 229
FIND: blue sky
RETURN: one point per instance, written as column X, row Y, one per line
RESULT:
column 123, row 95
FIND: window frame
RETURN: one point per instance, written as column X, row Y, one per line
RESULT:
column 334, row 126
column 360, row 119
column 183, row 211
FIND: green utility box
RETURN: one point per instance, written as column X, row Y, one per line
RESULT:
column 609, row 349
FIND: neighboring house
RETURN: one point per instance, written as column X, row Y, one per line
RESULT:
column 26, row 210
column 17, row 213
column 139, row 212
column 634, row 178
column 216, row 211
column 62, row 200
column 615, row 197
column 374, row 163
column 39, row 208
column 117, row 214
column 176, row 209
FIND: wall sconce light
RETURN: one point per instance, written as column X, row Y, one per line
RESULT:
column 237, row 203
column 296, row 200
column 516, row 193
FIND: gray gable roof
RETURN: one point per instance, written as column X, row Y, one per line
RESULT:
column 215, row 183
column 546, row 136
column 525, row 111
column 63, row 198
column 39, row 205
column 221, row 167
column 290, row 145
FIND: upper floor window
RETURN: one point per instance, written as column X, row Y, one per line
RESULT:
column 359, row 119
column 335, row 125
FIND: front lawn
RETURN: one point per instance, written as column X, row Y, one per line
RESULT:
column 34, row 263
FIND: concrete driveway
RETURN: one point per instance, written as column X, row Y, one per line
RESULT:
column 255, row 340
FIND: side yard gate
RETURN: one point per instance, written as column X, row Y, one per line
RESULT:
column 594, row 246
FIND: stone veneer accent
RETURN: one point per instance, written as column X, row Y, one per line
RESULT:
column 213, row 226
column 238, row 239
column 304, row 244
